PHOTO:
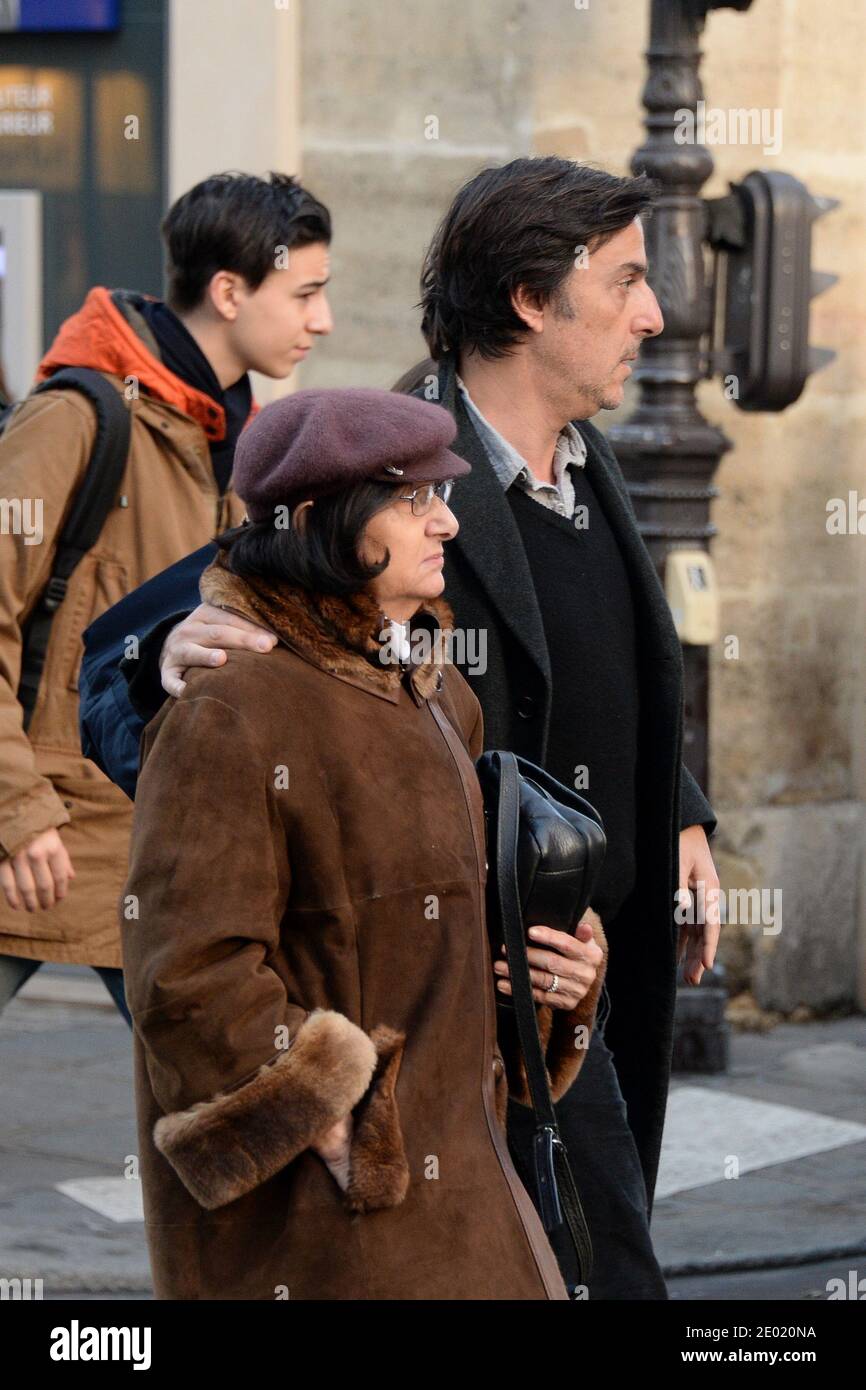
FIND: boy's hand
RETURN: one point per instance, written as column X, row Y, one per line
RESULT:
column 38, row 874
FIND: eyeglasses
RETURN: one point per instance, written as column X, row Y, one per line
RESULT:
column 422, row 497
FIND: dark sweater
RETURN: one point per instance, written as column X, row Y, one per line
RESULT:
column 585, row 598
column 183, row 356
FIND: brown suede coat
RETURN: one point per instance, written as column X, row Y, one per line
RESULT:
column 304, row 936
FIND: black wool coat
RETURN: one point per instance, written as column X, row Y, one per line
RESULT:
column 489, row 586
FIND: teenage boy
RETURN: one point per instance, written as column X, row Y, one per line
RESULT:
column 247, row 268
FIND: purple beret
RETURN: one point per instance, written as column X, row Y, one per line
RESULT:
column 313, row 442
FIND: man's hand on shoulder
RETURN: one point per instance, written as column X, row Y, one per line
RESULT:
column 203, row 638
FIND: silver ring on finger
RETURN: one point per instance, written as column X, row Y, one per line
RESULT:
column 553, row 986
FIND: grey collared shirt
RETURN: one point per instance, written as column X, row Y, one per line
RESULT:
column 511, row 467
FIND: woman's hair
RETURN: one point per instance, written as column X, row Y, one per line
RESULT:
column 323, row 558
column 519, row 225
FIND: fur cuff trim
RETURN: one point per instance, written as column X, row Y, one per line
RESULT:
column 378, row 1171
column 224, row 1147
column 564, row 1047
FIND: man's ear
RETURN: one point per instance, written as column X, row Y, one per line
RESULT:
column 299, row 516
column 528, row 306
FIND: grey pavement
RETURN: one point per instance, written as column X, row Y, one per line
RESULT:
column 66, row 1112
column 784, row 1229
column 780, row 1230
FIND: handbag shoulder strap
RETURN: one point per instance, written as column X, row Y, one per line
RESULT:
column 526, row 1018
column 557, row 1191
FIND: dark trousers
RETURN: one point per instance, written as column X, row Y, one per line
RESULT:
column 15, row 971
column 606, row 1167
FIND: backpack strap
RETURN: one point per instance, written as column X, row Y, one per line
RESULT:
column 93, row 501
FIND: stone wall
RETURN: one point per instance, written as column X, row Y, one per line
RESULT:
column 233, row 94
column 787, row 718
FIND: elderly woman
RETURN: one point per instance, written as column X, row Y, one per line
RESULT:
column 320, row 1091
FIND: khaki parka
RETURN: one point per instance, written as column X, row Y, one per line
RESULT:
column 168, row 506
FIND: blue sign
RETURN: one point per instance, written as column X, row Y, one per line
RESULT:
column 28, row 16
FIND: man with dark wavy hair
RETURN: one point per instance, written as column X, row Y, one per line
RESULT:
column 535, row 299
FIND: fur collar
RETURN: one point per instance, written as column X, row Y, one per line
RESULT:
column 340, row 635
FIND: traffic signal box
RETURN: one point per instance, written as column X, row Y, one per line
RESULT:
column 763, row 286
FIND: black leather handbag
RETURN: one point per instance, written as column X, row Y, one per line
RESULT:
column 545, row 847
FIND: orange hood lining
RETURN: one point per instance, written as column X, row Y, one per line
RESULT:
column 98, row 336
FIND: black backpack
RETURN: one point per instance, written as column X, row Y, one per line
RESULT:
column 94, row 500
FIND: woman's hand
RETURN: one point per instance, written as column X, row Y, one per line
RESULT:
column 574, row 959
column 333, row 1148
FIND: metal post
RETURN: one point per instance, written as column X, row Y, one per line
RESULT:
column 667, row 449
